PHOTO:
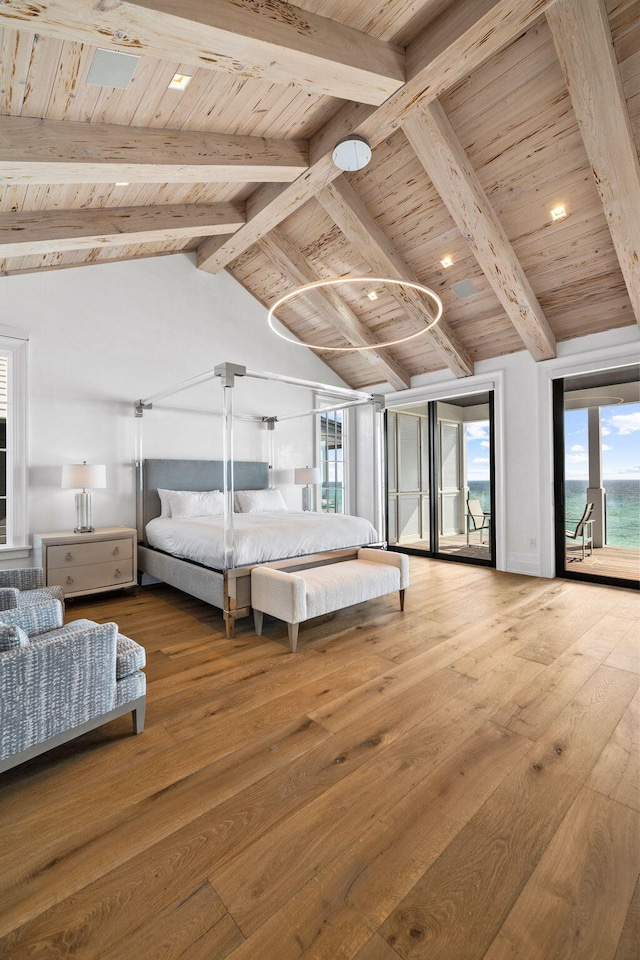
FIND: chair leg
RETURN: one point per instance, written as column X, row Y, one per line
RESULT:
column 292, row 629
column 258, row 617
column 402, row 600
column 138, row 717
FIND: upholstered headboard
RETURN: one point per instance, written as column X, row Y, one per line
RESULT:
column 195, row 475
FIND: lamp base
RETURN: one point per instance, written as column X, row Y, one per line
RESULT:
column 306, row 498
column 83, row 513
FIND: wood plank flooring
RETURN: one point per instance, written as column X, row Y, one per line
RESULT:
column 455, row 782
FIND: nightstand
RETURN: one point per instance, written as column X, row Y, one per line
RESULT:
column 84, row 563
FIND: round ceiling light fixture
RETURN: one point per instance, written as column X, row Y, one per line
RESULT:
column 335, row 281
column 351, row 153
column 579, row 403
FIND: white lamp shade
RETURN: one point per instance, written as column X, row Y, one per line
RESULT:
column 83, row 475
column 307, row 475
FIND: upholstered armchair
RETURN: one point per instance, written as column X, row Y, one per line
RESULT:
column 57, row 682
column 24, row 586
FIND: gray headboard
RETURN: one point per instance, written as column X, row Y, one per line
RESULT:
column 195, row 475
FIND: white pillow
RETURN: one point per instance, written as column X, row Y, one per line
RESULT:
column 165, row 506
column 260, row 501
column 196, row 503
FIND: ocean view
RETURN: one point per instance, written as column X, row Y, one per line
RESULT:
column 623, row 506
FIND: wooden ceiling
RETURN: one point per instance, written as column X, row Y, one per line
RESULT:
column 482, row 115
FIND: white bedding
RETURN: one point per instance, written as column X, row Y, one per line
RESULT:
column 259, row 537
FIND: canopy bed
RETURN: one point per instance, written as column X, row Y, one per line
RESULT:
column 204, row 524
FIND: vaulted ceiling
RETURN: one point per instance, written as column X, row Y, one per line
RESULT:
column 482, row 115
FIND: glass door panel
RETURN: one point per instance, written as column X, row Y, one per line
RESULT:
column 597, row 476
column 439, row 478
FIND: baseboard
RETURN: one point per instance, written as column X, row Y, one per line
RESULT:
column 524, row 563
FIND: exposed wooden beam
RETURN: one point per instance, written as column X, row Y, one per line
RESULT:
column 463, row 37
column 348, row 211
column 52, row 231
column 54, row 151
column 7, row 270
column 582, row 38
column 272, row 41
column 447, row 165
column 331, row 306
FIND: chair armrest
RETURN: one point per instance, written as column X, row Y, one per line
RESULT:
column 280, row 594
column 55, row 685
column 24, row 578
column 36, row 619
column 8, row 598
column 399, row 560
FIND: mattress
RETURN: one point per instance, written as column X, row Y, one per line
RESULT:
column 259, row 537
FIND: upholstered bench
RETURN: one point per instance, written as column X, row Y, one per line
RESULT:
column 304, row 594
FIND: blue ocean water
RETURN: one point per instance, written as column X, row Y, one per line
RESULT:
column 623, row 507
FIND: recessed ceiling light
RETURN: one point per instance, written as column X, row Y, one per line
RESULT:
column 351, row 153
column 180, row 82
column 122, row 183
column 558, row 213
column 447, row 262
column 372, row 295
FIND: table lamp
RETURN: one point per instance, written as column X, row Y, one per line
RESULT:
column 83, row 475
column 307, row 476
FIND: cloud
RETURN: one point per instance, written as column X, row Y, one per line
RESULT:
column 477, row 431
column 626, row 423
column 625, row 473
column 484, row 443
column 577, row 448
column 605, row 431
column 606, row 446
column 576, row 458
column 480, row 460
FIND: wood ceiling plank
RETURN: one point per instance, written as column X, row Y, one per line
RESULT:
column 475, row 31
column 347, row 210
column 15, row 56
column 38, row 232
column 580, row 31
column 440, row 152
column 274, row 41
column 291, row 262
column 41, row 151
column 13, row 268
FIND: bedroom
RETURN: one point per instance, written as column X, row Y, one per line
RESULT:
column 102, row 335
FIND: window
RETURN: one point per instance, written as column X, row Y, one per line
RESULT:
column 333, row 461
column 13, row 513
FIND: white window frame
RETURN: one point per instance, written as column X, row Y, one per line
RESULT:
column 13, row 345
column 322, row 400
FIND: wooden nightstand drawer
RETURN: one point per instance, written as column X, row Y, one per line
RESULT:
column 75, row 555
column 92, row 575
column 82, row 563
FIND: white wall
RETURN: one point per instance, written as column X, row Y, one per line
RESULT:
column 102, row 337
column 524, row 467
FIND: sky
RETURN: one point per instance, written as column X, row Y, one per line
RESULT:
column 477, row 449
column 620, row 443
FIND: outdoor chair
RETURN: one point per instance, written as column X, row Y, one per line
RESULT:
column 477, row 520
column 24, row 586
column 582, row 532
column 58, row 682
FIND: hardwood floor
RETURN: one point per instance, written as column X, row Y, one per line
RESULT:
column 456, row 782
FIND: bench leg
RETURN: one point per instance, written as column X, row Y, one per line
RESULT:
column 258, row 617
column 402, row 599
column 293, row 636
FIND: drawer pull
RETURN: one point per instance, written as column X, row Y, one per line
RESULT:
column 117, row 573
column 69, row 556
column 69, row 580
column 116, row 552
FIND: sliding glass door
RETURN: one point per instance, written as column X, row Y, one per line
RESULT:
column 597, row 476
column 440, row 478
